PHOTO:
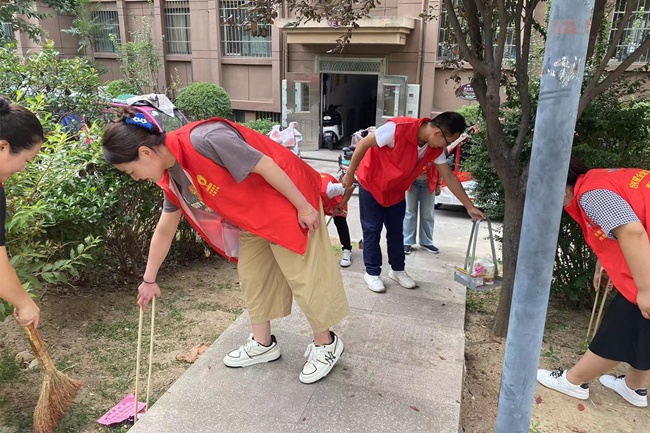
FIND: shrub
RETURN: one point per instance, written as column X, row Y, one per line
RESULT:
column 200, row 101
column 263, row 126
column 66, row 85
column 119, row 87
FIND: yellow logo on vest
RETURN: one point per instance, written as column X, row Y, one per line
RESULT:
column 211, row 188
column 638, row 177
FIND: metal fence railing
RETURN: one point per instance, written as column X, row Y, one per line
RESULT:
column 177, row 22
column 110, row 26
column 236, row 38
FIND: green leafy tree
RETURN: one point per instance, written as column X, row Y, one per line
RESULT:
column 139, row 59
column 17, row 13
column 85, row 25
column 68, row 85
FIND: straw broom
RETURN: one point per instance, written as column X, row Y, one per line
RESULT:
column 57, row 391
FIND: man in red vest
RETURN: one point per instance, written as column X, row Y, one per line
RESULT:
column 389, row 160
column 612, row 207
column 254, row 202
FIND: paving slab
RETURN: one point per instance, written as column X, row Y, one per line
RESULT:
column 402, row 369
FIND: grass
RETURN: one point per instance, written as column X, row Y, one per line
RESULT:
column 551, row 354
column 535, row 427
column 9, row 370
column 481, row 302
column 120, row 330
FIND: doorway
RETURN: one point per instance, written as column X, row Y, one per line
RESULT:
column 356, row 96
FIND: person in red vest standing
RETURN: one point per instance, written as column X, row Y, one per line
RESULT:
column 612, row 207
column 335, row 204
column 389, row 160
column 254, row 202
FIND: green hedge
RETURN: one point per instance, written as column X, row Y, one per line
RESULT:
column 200, row 101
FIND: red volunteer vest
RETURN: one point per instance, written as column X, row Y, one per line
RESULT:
column 253, row 204
column 329, row 203
column 432, row 177
column 387, row 173
column 633, row 184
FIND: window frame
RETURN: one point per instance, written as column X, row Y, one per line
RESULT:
column 178, row 10
column 236, row 40
column 110, row 21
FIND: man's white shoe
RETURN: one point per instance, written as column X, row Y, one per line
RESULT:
column 321, row 360
column 346, row 258
column 557, row 380
column 636, row 397
column 402, row 278
column 374, row 283
column 252, row 353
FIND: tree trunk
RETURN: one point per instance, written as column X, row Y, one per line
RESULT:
column 512, row 222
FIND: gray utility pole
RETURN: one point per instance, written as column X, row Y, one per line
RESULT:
column 564, row 61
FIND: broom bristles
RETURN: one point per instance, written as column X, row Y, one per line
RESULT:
column 57, row 394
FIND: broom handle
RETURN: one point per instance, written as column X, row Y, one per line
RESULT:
column 38, row 346
column 600, row 311
column 153, row 315
column 593, row 312
column 137, row 366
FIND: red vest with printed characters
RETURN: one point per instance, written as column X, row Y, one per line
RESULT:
column 387, row 173
column 252, row 204
column 633, row 184
column 432, row 176
column 329, row 203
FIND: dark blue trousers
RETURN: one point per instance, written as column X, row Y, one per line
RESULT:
column 373, row 218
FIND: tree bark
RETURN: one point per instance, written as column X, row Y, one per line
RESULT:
column 512, row 222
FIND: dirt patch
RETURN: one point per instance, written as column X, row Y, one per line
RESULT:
column 92, row 335
column 604, row 412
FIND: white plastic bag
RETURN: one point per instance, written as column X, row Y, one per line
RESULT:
column 288, row 137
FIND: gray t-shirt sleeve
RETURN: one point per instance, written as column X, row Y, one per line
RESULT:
column 168, row 206
column 222, row 144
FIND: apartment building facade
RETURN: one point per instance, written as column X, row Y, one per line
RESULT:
column 392, row 66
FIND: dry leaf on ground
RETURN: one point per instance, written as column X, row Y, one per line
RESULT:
column 192, row 354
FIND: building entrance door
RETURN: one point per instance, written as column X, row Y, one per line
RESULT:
column 302, row 105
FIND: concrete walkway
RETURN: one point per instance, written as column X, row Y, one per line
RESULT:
column 402, row 370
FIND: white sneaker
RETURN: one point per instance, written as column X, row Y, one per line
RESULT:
column 374, row 283
column 402, row 278
column 557, row 380
column 346, row 258
column 321, row 360
column 636, row 397
column 253, row 353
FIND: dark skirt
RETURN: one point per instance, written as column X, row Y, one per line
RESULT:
column 624, row 335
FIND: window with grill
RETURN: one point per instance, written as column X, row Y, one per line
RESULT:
column 110, row 29
column 6, row 32
column 276, row 117
column 177, row 21
column 635, row 29
column 448, row 47
column 237, row 39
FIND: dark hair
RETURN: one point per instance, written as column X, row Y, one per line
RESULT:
column 19, row 126
column 122, row 140
column 450, row 122
column 576, row 169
